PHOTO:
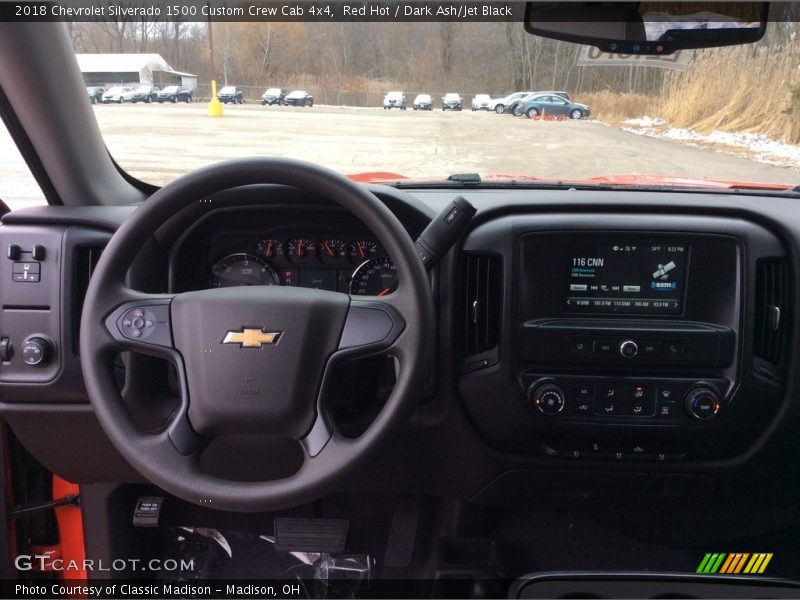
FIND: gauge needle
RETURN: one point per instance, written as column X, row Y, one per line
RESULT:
column 360, row 249
column 328, row 249
column 384, row 291
column 269, row 249
column 299, row 248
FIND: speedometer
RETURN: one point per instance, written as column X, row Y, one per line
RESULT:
column 242, row 269
column 374, row 277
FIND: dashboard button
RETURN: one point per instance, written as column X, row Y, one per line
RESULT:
column 603, row 347
column 665, row 409
column 674, row 349
column 579, row 346
column 650, row 349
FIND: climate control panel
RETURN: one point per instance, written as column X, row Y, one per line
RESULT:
column 607, row 399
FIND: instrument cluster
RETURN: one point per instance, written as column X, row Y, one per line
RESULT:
column 357, row 266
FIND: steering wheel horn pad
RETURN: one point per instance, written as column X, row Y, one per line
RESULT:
column 250, row 384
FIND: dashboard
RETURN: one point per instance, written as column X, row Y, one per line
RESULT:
column 629, row 334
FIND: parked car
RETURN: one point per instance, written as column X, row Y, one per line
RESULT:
column 423, row 102
column 394, row 100
column 499, row 105
column 299, row 98
column 481, row 102
column 452, row 101
column 515, row 108
column 116, row 94
column 95, row 93
column 175, row 93
column 273, row 96
column 552, row 104
column 144, row 93
column 230, row 94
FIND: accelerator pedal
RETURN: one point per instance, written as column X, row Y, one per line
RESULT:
column 403, row 533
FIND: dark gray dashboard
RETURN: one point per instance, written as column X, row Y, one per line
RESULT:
column 480, row 413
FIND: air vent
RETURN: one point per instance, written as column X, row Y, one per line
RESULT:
column 772, row 316
column 481, row 296
column 84, row 261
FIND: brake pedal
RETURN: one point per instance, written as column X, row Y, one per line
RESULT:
column 311, row 535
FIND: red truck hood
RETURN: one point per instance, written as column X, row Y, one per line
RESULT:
column 621, row 180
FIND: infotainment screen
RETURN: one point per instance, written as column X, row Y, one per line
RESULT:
column 627, row 277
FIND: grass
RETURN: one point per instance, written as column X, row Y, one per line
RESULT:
column 751, row 89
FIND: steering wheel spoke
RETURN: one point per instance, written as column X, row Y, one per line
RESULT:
column 371, row 327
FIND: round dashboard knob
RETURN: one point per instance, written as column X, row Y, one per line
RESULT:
column 548, row 398
column 628, row 349
column 36, row 351
column 702, row 403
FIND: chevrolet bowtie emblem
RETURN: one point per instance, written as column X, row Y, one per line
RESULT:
column 250, row 337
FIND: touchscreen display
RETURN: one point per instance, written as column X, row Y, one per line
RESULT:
column 627, row 277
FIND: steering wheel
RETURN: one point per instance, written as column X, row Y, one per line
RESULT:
column 252, row 360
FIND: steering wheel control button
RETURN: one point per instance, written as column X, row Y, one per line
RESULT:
column 149, row 322
column 36, row 351
column 548, row 398
column 628, row 349
column 14, row 252
column 702, row 403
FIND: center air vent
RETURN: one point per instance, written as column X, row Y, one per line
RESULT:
column 772, row 317
column 481, row 295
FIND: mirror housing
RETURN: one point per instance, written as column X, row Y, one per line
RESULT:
column 648, row 27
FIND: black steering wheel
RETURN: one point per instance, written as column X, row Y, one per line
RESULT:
column 252, row 360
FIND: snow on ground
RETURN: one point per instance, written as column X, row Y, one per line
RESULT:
column 756, row 147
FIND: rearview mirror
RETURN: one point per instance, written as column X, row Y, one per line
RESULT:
column 648, row 27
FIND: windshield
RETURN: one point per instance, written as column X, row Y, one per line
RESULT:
column 729, row 114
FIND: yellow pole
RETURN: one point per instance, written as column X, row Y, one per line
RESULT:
column 215, row 106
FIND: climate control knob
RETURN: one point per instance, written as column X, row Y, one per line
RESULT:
column 36, row 351
column 548, row 398
column 702, row 403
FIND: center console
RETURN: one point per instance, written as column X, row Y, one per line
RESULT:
column 627, row 341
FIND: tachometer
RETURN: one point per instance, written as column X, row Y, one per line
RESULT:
column 242, row 269
column 374, row 277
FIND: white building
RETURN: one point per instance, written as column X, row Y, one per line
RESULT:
column 111, row 69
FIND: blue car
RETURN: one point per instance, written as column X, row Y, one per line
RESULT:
column 553, row 105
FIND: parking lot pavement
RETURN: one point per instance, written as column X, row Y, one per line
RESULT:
column 159, row 142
